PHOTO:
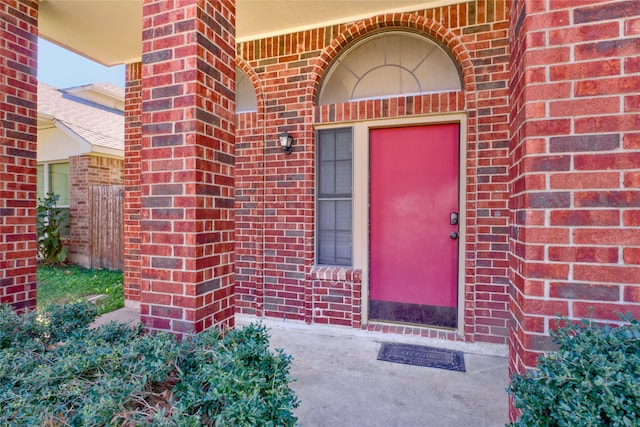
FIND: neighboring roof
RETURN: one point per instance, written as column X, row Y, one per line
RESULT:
column 94, row 113
column 106, row 94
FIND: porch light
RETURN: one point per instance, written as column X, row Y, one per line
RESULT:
column 285, row 142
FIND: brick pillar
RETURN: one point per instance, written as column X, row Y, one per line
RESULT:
column 79, row 236
column 575, row 171
column 132, row 137
column 187, row 182
column 18, row 147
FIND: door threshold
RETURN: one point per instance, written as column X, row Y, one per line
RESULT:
column 383, row 322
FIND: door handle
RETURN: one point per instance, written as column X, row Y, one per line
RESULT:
column 453, row 235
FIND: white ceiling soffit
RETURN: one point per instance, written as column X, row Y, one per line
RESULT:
column 109, row 31
column 106, row 31
column 264, row 18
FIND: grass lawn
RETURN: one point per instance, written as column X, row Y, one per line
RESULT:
column 63, row 284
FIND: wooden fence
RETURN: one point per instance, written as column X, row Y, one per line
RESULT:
column 106, row 226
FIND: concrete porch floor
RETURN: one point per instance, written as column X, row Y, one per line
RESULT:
column 340, row 382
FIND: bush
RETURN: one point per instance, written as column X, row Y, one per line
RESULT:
column 49, row 226
column 54, row 371
column 592, row 380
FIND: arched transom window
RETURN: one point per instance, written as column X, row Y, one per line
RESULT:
column 246, row 100
column 389, row 64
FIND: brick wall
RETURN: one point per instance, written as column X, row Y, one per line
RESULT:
column 275, row 193
column 575, row 163
column 187, row 165
column 85, row 171
column 249, row 203
column 336, row 296
column 18, row 117
column 132, row 206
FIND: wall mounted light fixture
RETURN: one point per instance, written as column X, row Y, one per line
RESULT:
column 285, row 142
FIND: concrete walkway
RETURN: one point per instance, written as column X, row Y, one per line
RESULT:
column 340, row 382
column 124, row 315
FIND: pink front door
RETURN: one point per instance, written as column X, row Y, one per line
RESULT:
column 413, row 224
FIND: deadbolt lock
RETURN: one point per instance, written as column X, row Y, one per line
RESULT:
column 453, row 218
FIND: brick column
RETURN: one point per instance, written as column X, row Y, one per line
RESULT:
column 187, row 184
column 132, row 137
column 575, row 172
column 18, row 134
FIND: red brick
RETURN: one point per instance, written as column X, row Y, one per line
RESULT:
column 546, row 271
column 623, row 199
column 617, row 161
column 588, row 217
column 610, row 86
column 544, row 235
column 631, row 141
column 581, row 33
column 606, row 274
column 550, row 19
column 632, row 26
column 607, row 48
column 581, row 291
column 583, row 254
column 632, row 103
column 550, row 91
column 602, row 311
column 578, row 107
column 585, row 180
column 632, row 293
column 605, row 11
column 585, row 70
column 606, row 236
column 632, row 179
column 631, row 218
column 632, row 65
column 548, row 127
column 548, row 56
column 631, row 255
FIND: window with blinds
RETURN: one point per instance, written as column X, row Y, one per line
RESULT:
column 334, row 196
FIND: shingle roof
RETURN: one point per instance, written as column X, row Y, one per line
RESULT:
column 97, row 124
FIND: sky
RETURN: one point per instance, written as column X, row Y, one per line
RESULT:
column 62, row 68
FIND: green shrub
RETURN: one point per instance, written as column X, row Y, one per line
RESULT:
column 49, row 227
column 592, row 380
column 54, row 371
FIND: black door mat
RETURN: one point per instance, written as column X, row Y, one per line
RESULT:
column 420, row 355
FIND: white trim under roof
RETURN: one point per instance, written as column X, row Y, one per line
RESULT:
column 110, row 31
column 314, row 22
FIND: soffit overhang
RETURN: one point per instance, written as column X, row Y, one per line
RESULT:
column 109, row 31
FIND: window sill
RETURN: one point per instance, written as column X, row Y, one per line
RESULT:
column 335, row 273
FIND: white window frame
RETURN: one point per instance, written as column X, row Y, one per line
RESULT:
column 46, row 172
